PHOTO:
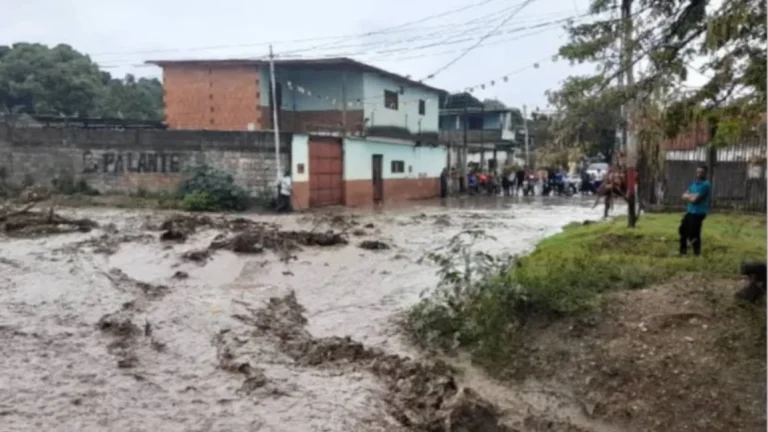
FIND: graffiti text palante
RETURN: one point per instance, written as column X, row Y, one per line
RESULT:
column 141, row 163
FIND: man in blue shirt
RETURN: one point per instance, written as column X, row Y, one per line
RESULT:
column 697, row 197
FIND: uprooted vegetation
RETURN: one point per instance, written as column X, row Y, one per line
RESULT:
column 26, row 221
column 245, row 235
column 647, row 339
column 422, row 397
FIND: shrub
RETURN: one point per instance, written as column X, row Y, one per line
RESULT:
column 65, row 184
column 473, row 305
column 198, row 201
column 219, row 188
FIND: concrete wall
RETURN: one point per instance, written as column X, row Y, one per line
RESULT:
column 127, row 161
column 300, row 170
column 420, row 179
column 407, row 115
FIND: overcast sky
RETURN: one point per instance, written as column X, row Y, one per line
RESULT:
column 121, row 35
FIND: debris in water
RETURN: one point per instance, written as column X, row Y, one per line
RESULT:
column 180, row 275
column 442, row 220
column 198, row 256
column 264, row 237
column 180, row 226
column 421, row 396
column 26, row 222
column 152, row 291
column 373, row 245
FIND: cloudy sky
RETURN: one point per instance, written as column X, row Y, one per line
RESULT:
column 415, row 38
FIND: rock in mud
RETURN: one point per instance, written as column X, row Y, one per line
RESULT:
column 181, row 275
column 197, row 256
column 118, row 324
column 373, row 245
column 467, row 412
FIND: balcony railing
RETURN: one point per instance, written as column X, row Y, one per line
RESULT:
column 473, row 136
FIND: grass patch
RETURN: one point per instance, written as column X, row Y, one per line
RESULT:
column 566, row 272
column 483, row 302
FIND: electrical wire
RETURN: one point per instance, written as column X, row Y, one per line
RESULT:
column 479, row 41
column 335, row 39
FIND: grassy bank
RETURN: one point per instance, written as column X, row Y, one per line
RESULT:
column 570, row 273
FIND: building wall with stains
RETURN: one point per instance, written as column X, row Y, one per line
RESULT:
column 138, row 160
column 409, row 172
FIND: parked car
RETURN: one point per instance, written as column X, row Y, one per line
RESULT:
column 597, row 170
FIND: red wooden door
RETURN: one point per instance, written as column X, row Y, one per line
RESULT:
column 326, row 172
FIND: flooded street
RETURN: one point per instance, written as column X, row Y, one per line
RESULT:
column 116, row 330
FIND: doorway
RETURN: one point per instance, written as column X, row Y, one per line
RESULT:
column 378, row 180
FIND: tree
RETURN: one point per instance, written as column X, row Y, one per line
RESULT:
column 37, row 79
column 668, row 35
column 585, row 120
column 494, row 104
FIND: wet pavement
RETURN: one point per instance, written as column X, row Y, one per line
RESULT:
column 60, row 372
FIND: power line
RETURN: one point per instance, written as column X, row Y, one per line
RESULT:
column 479, row 41
column 336, row 39
column 386, row 54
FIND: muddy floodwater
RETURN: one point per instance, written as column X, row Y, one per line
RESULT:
column 115, row 330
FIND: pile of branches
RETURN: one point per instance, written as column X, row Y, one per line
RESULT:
column 26, row 221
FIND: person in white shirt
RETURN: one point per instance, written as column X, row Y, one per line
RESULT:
column 284, row 189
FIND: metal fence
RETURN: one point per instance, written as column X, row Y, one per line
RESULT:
column 737, row 173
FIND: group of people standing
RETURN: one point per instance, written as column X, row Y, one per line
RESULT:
column 488, row 182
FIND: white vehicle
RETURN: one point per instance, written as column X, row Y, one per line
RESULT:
column 597, row 170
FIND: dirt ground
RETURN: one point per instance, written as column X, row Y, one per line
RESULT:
column 682, row 356
column 127, row 320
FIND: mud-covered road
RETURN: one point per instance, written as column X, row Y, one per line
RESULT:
column 115, row 330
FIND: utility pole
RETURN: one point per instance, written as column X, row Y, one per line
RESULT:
column 463, row 170
column 275, row 125
column 344, row 102
column 628, row 47
column 527, row 139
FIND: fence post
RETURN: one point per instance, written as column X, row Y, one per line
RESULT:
column 711, row 166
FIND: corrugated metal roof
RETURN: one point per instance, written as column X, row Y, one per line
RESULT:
column 320, row 62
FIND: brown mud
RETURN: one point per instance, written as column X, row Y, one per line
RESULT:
column 683, row 356
column 113, row 329
column 421, row 396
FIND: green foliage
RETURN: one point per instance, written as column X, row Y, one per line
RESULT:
column 471, row 304
column 214, row 189
column 199, row 201
column 670, row 35
column 66, row 184
column 482, row 302
column 38, row 79
column 568, row 271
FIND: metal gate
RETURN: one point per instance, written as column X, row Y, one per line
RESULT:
column 326, row 172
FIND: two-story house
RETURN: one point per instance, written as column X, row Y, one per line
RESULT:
column 489, row 135
column 360, row 134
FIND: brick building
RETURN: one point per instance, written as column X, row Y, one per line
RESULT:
column 360, row 134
